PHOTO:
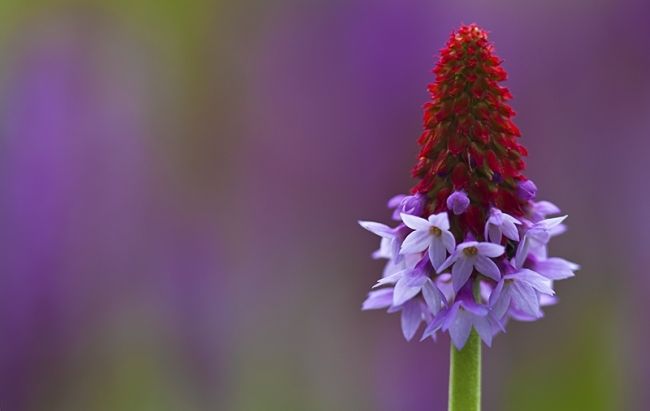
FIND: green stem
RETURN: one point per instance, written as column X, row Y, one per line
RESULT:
column 465, row 374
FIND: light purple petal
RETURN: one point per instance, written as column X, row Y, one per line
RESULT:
column 416, row 242
column 546, row 208
column 490, row 250
column 493, row 233
column 378, row 299
column 552, row 222
column 522, row 252
column 474, row 308
column 385, row 249
column 535, row 280
column 525, row 298
column 510, row 229
column 460, row 328
column 461, row 272
column 411, row 317
column 545, row 300
column 487, row 267
column 484, row 329
column 437, row 252
column 432, row 296
column 396, row 200
column 379, row 229
column 501, row 302
column 557, row 230
column 449, row 241
column 440, row 220
column 556, row 268
column 408, row 286
column 448, row 262
column 415, row 223
column 390, row 279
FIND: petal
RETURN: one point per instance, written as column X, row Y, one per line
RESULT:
column 411, row 317
column 408, row 286
column 535, row 280
column 396, row 200
column 552, row 222
column 379, row 229
column 437, row 252
column 390, row 279
column 460, row 328
column 415, row 223
column 448, row 262
column 484, row 328
column 416, row 242
column 525, row 298
column 378, row 299
column 556, row 268
column 510, row 230
column 440, row 220
column 474, row 308
column 461, row 272
column 449, row 241
column 546, row 208
column 501, row 303
column 522, row 252
column 490, row 250
column 494, row 233
column 432, row 296
column 384, row 251
column 487, row 267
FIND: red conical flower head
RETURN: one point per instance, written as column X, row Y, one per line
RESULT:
column 469, row 141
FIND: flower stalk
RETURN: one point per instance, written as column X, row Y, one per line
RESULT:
column 465, row 373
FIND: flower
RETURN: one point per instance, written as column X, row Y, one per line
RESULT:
column 521, row 289
column 458, row 202
column 527, row 190
column 469, row 256
column 431, row 234
column 499, row 224
column 459, row 319
column 400, row 203
column 447, row 262
column 536, row 238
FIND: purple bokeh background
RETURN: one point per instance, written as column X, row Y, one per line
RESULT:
column 180, row 184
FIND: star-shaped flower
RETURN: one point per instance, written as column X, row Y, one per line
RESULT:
column 520, row 290
column 432, row 234
column 470, row 255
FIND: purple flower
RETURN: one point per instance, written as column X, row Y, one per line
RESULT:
column 527, row 190
column 536, row 238
column 499, row 224
column 432, row 234
column 461, row 316
column 391, row 239
column 470, row 255
column 522, row 290
column 400, row 203
column 458, row 202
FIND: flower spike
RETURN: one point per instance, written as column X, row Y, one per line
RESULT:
column 470, row 246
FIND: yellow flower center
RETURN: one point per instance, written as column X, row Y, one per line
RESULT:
column 435, row 231
column 470, row 251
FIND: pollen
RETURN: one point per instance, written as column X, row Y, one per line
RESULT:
column 470, row 251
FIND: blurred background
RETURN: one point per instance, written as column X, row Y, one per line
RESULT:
column 180, row 183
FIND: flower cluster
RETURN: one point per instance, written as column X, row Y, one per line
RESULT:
column 470, row 245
